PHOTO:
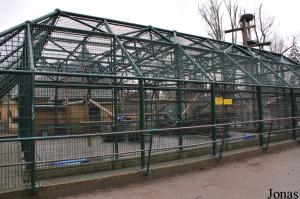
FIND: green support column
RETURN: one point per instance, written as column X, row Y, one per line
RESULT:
column 22, row 98
column 260, row 115
column 115, row 120
column 178, row 96
column 213, row 118
column 142, row 121
column 27, row 104
column 115, row 103
column 32, row 142
column 56, row 122
column 179, row 113
column 293, row 110
column 286, row 111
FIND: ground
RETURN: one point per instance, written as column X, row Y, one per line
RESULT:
column 248, row 179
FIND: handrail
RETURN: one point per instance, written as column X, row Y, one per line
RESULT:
column 265, row 148
column 225, row 134
column 145, row 131
column 146, row 173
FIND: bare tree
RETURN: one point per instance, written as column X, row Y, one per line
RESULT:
column 282, row 46
column 265, row 26
column 234, row 12
column 294, row 51
column 295, row 54
column 277, row 44
column 211, row 13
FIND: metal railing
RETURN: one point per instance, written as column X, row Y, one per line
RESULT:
column 73, row 157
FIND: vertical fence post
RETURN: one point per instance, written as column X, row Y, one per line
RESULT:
column 30, row 107
column 142, row 121
column 179, row 114
column 293, row 110
column 260, row 115
column 213, row 118
column 178, row 97
column 115, row 103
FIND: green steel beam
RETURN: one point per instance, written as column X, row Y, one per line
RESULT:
column 289, row 69
column 76, row 74
column 274, row 73
column 135, row 31
column 177, row 60
column 195, row 42
column 42, row 18
column 182, row 50
column 293, row 112
column 8, row 81
column 142, row 120
column 9, row 55
column 115, row 101
column 137, row 70
column 40, row 45
column 208, row 76
column 22, row 26
column 213, row 118
column 83, row 41
column 29, row 109
column 17, row 28
column 17, row 31
column 271, row 70
column 154, row 55
column 236, row 64
column 260, row 115
column 81, row 22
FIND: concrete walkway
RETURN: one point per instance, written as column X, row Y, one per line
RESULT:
column 249, row 179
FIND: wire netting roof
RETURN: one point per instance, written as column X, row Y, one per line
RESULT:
column 65, row 42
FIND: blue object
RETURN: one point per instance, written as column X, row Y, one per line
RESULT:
column 121, row 117
column 69, row 162
column 249, row 136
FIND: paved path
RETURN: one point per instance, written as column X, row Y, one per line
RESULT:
column 248, row 179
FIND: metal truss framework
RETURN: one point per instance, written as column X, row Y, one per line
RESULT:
column 64, row 42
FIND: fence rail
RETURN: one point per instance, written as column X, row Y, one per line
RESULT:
column 72, row 157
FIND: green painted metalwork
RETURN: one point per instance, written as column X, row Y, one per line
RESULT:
column 142, row 120
column 133, row 80
column 29, row 112
column 177, row 61
column 115, row 102
column 213, row 118
column 293, row 110
column 260, row 115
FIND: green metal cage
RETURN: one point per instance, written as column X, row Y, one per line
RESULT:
column 81, row 88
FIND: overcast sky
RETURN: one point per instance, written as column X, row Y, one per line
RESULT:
column 180, row 15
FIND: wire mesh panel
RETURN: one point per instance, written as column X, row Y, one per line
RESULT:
column 67, row 159
column 69, row 51
column 236, row 103
column 9, row 114
column 296, row 106
column 13, row 167
column 277, row 104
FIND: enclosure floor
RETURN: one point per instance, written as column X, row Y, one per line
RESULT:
column 246, row 179
column 68, row 148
